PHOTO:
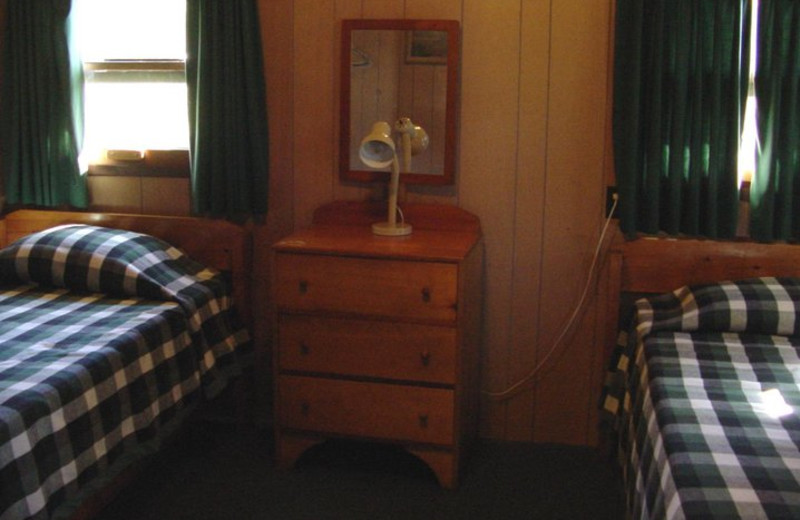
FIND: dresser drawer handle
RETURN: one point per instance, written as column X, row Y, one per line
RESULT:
column 423, row 420
column 305, row 408
column 425, row 357
column 302, row 286
column 426, row 294
column 304, row 349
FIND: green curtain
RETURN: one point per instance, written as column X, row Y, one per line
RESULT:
column 42, row 109
column 775, row 191
column 227, row 109
column 679, row 96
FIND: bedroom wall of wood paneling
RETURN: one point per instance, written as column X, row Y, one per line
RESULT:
column 532, row 159
column 532, row 164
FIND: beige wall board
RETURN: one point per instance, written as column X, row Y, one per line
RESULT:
column 563, row 388
column 277, row 34
column 119, row 194
column 345, row 9
column 314, row 105
column 529, row 211
column 573, row 218
column 166, row 196
column 438, row 10
column 488, row 162
column 383, row 8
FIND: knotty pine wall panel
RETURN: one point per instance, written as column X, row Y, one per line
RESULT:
column 574, row 199
column 529, row 209
column 487, row 176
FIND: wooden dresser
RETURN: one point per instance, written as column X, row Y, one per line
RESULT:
column 377, row 338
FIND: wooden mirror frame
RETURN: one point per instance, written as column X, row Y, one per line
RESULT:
column 452, row 28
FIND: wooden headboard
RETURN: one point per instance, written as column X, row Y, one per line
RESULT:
column 658, row 265
column 219, row 244
column 661, row 265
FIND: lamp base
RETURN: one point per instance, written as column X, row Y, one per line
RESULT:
column 387, row 229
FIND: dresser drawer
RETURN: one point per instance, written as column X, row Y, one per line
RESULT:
column 391, row 288
column 380, row 349
column 392, row 412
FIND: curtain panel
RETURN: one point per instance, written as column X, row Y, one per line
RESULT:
column 227, row 109
column 42, row 106
column 679, row 96
column 775, row 191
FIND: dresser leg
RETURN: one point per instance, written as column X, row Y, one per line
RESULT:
column 443, row 464
column 289, row 448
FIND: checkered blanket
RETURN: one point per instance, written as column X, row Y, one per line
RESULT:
column 704, row 394
column 112, row 339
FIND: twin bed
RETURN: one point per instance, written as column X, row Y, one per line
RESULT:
column 704, row 391
column 113, row 329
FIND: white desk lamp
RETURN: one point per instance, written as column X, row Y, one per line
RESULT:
column 414, row 138
column 377, row 150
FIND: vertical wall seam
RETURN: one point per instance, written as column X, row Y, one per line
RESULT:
column 543, row 212
column 514, row 335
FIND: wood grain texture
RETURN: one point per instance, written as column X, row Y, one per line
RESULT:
column 379, row 337
column 314, row 154
column 659, row 265
column 344, row 283
column 368, row 348
column 529, row 211
column 576, row 143
column 487, row 181
column 663, row 265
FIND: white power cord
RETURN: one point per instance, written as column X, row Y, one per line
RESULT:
column 512, row 390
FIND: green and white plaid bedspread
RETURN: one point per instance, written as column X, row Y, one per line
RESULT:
column 705, row 394
column 89, row 381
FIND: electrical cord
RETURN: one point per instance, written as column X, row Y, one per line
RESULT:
column 515, row 388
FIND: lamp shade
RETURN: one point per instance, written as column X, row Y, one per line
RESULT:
column 377, row 148
column 418, row 137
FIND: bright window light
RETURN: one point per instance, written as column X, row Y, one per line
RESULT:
column 125, row 29
column 134, row 61
column 749, row 142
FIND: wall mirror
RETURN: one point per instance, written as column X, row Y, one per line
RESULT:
column 392, row 69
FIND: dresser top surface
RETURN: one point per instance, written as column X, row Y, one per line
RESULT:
column 440, row 233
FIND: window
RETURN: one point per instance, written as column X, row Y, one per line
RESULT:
column 133, row 56
column 678, row 83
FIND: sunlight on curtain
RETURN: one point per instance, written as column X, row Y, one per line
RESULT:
column 41, row 107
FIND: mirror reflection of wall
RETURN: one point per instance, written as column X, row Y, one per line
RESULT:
column 388, row 81
column 393, row 69
column 374, row 80
column 390, row 78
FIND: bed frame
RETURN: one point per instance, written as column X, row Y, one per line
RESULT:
column 219, row 244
